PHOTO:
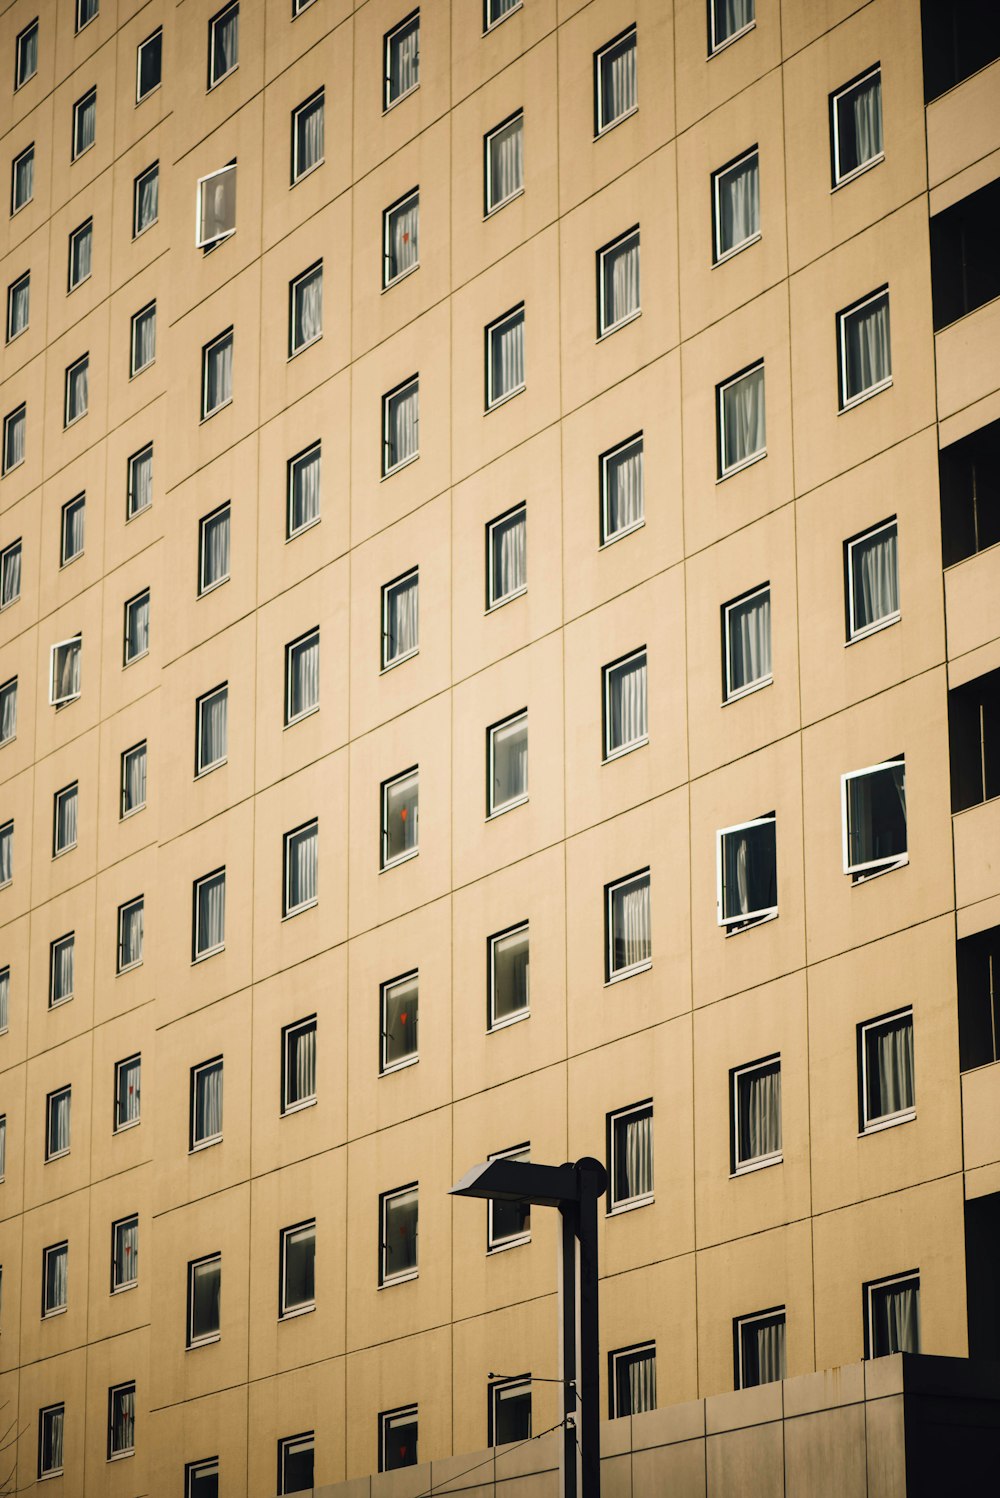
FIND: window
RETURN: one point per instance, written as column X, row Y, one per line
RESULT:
column 864, row 348
column 8, row 711
column 298, row 1065
column 742, row 436
column 55, row 1278
column 133, row 779
column 632, row 1380
column 298, row 1269
column 400, row 238
column 504, row 162
column 145, row 199
column 211, row 729
column 6, row 854
column 204, row 1294
column 71, row 529
column 307, row 135
column 507, row 557
column 399, row 1013
column 216, row 207
column 400, row 813
column 298, row 6
column 615, row 91
column 124, row 1254
column 508, row 1223
column 302, row 677
column 618, row 283
column 978, row 998
column 508, row 763
column 964, row 270
column 856, row 126
column 305, row 309
column 886, row 1076
column 892, row 1315
column 630, row 1157
column 64, row 671
column 400, row 426
column 10, row 574
column 295, row 1463
column 143, row 343
column 136, row 642
column 77, row 396
column 873, row 814
column 397, row 1439
column 217, row 374
column 622, row 492
column 86, row 10
column 755, row 1101
column 64, row 819
column 223, row 44
column 4, row 1005
column 149, row 65
column 728, row 19
column 140, row 481
column 57, row 1108
column 209, row 915
column 206, row 1103
column 201, row 1479
column 759, row 1347
column 509, row 1410
column 50, row 1440
column 974, row 732
column 127, row 1077
column 131, row 919
column 18, row 306
column 303, row 490
column 505, row 357
column 747, row 874
column 736, row 205
column 746, row 633
column 872, row 579
column 509, row 987
column 84, row 123
column 62, row 955
column 629, row 941
column 26, row 54
column 400, row 619
column 213, row 549
column 301, row 861
column 495, row 11
column 970, row 494
column 402, row 59
column 121, row 1421
column 398, row 1217
column 625, row 712
column 22, row 179
column 3, row 1145
column 15, row 425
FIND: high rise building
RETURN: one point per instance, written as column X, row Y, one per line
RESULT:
column 499, row 653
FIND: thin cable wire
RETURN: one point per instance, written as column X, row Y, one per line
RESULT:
column 492, row 1458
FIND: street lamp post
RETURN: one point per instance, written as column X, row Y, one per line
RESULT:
column 575, row 1190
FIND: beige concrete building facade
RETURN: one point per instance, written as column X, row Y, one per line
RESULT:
column 499, row 637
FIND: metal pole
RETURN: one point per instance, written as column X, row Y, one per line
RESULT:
column 568, row 1218
column 591, row 1186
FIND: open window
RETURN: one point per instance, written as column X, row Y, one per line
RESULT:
column 216, row 206
column 398, row 1217
column 400, row 817
column 746, row 635
column 892, row 1315
column 856, row 126
column 64, row 671
column 629, row 943
column 747, row 873
column 399, row 1004
column 873, row 814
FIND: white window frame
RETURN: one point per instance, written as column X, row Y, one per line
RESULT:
column 206, row 411
column 497, row 808
column 392, row 862
column 298, row 6
column 55, row 946
column 902, row 1115
column 206, row 1141
column 490, row 24
column 15, row 286
column 619, row 1355
column 388, row 591
column 862, row 872
column 126, row 754
column 501, row 1388
column 491, row 205
column 877, row 624
column 719, row 255
column 499, row 1245
column 3, row 1153
column 202, row 767
column 121, row 1125
column 607, row 672
column 508, row 319
column 306, row 1439
column 115, row 1392
column 293, row 463
column 19, row 413
column 118, row 1286
column 18, row 161
column 726, row 469
column 136, row 368
column 733, row 694
column 910, row 1277
column 221, row 15
column 715, row 46
column 9, row 685
column 491, row 528
column 618, row 1116
column 131, row 510
column 613, row 974
column 139, row 97
column 85, row 20
column 125, row 909
column 609, row 537
column 137, row 183
column 20, row 45
column 7, row 830
column 741, row 1167
column 388, row 214
column 54, row 1310
column 55, row 701
column 4, row 1008
column 386, row 1067
column 44, row 1421
column 57, row 1092
column 387, row 1421
column 204, row 1338
column 841, row 178
column 604, row 328
column 201, row 954
column 403, row 1275
column 286, row 1312
column 387, row 41
column 288, row 910
column 68, row 509
column 601, row 125
column 71, row 369
column 74, row 787
column 847, row 403
column 209, row 1467
column 317, row 97
column 288, row 1035
column 81, row 103
column 733, row 924
column 5, row 555
column 203, row 586
column 130, row 604
column 501, row 1023
column 397, row 393
column 201, row 240
column 290, row 649
column 294, row 290
column 740, row 1323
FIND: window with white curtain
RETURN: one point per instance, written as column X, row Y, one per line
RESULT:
column 629, row 946
column 509, row 1408
column 298, row 1065
column 633, row 1380
column 507, row 784
column 873, row 819
column 618, row 300
column 742, row 428
column 495, row 11
column 303, row 490
column 71, row 529
column 400, row 799
column 8, row 711
column 84, row 123
column 204, row 1301
column 211, row 729
column 616, row 93
column 864, row 348
column 213, row 549
column 301, row 864
column 124, row 1254
column 302, row 677
column 51, row 1422
column 728, row 19
column 509, row 977
column 136, row 627
column 223, row 44
column 759, row 1345
column 747, row 874
column 736, row 205
column 26, row 54
column 201, row 1479
column 298, row 1270
column 6, row 853
column 64, row 819
column 398, row 1215
column 4, row 1003
column 146, row 199
column 209, row 915
column 131, row 924
column 399, row 1012
column 206, row 1103
column 400, row 237
column 508, row 1224
column 856, row 126
column 133, row 780
column 86, row 10
column 128, row 1074
column 140, row 482
column 892, row 1315
column 217, row 374
column 65, row 671
column 630, row 1156
column 305, row 309
column 755, row 1102
column 77, row 396
column 18, row 305
column 885, row 1059
column 402, row 59
column 400, row 618
column 149, row 65
column 121, row 1421
column 400, row 425
column 872, row 573
column 15, row 426
column 55, row 1279
column 397, row 1438
column 626, row 723
column 623, row 507
column 746, row 634
column 22, row 179
column 62, row 965
column 143, row 338
column 57, row 1111
column 507, row 556
column 3, row 1145
column 503, row 150
column 10, row 574
column 505, row 357
column 308, row 127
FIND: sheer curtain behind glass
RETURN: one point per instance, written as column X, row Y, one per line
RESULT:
column 141, row 481
column 303, row 676
column 636, row 1381
column 304, row 498
column 215, row 548
column 739, row 204
column 867, row 353
column 620, row 279
column 211, row 913
column 619, row 94
column 303, row 1064
column 77, row 390
column 624, row 492
column 731, row 16
column 309, row 131
column 627, row 703
column 73, row 523
column 52, row 1440
column 28, row 55
column 509, row 743
column 4, row 1002
column 402, row 618
column 7, row 853
column 763, row 1351
column 144, row 349
column 507, row 357
column 506, row 162
column 8, row 711
column 896, row 1318
column 19, row 307
column 66, row 804
column 630, row 924
column 214, row 724
column 402, row 419
column 208, row 1102
column 749, row 625
column 127, row 1252
column 219, row 373
column 134, row 778
column 302, row 853
column 508, row 556
column 759, row 1095
column 890, row 1068
column 56, row 1278
column 10, row 575
column 875, row 577
column 132, row 924
column 859, row 125
column 123, row 1420
column 59, row 1122
column 743, row 424
column 403, row 246
column 308, row 308
column 147, row 206
column 128, row 1091
column 749, row 871
column 634, row 1156
column 225, row 42
column 24, row 179
column 63, row 953
column 15, row 428
column 137, row 627
column 404, row 59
